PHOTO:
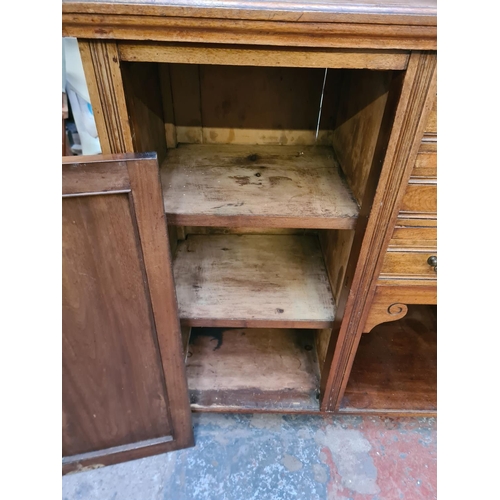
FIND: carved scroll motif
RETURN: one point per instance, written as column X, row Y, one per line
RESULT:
column 381, row 313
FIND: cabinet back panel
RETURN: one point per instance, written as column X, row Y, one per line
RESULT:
column 250, row 105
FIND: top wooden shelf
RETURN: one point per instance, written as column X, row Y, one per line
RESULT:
column 256, row 186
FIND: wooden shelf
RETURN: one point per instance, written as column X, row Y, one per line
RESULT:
column 256, row 186
column 255, row 281
column 395, row 369
column 261, row 369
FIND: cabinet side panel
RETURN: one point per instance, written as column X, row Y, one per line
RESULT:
column 360, row 112
column 145, row 108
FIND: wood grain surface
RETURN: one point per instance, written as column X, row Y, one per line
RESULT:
column 395, row 369
column 420, row 199
column 253, row 369
column 396, row 11
column 263, row 56
column 393, row 24
column 404, row 264
column 272, row 281
column 107, row 295
column 124, row 384
column 392, row 297
column 259, row 186
column 103, row 75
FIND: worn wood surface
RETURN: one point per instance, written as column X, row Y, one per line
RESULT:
column 124, row 386
column 396, row 367
column 82, row 178
column 152, row 230
column 336, row 247
column 392, row 296
column 420, row 199
column 392, row 24
column 287, row 57
column 260, row 186
column 363, row 97
column 249, row 369
column 185, row 334
column 141, row 83
column 103, row 404
column 345, row 299
column 253, row 281
column 323, row 338
column 251, row 105
column 388, row 11
column 246, row 230
column 397, row 160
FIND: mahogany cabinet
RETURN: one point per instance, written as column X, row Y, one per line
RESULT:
column 289, row 143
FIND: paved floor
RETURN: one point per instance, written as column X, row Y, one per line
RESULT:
column 275, row 457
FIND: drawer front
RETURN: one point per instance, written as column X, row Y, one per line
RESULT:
column 431, row 127
column 414, row 233
column 420, row 199
column 408, row 265
column 426, row 162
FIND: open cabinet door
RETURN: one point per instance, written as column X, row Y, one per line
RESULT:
column 124, row 389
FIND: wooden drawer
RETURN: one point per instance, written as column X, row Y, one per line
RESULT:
column 408, row 264
column 414, row 234
column 431, row 127
column 420, row 199
column 426, row 162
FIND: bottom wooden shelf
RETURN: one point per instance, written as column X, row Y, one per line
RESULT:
column 395, row 368
column 253, row 370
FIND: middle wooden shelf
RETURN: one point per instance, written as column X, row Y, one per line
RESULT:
column 256, row 186
column 253, row 281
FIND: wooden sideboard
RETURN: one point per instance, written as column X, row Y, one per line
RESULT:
column 296, row 147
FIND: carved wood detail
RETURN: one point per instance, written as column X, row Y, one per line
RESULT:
column 163, row 28
column 380, row 313
column 104, row 80
column 392, row 297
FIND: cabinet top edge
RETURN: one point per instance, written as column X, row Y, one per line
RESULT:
column 405, row 12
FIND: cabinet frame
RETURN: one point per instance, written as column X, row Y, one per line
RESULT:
column 405, row 121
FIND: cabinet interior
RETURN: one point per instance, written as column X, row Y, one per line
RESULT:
column 395, row 369
column 267, row 174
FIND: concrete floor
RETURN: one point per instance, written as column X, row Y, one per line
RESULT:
column 275, row 457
